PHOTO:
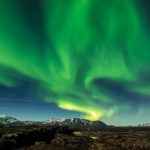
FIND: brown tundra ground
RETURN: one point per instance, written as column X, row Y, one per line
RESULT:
column 48, row 138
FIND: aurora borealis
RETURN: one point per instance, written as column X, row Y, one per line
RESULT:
column 87, row 56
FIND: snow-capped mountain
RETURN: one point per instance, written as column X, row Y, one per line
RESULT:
column 75, row 123
column 83, row 124
column 55, row 120
column 4, row 119
column 7, row 120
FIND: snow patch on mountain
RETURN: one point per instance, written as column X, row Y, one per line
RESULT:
column 4, row 119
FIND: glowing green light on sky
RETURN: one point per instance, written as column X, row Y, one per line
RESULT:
column 75, row 45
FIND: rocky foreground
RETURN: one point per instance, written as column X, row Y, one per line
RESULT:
column 63, row 138
column 14, row 137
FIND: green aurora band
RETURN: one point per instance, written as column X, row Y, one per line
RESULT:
column 76, row 50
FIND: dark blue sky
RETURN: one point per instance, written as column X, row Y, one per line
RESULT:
column 23, row 102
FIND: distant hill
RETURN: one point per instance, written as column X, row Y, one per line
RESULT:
column 8, row 120
column 75, row 123
column 4, row 119
column 83, row 124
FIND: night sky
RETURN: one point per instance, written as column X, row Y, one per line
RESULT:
column 75, row 58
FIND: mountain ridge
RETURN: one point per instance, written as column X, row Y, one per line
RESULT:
column 74, row 123
column 5, row 119
column 84, row 124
